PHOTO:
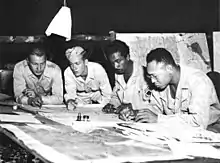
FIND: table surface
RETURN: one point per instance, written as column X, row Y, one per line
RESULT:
column 54, row 135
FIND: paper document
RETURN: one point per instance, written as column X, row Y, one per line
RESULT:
column 19, row 118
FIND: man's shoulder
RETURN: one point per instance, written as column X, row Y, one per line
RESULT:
column 52, row 69
column 21, row 64
column 193, row 72
column 94, row 64
column 194, row 76
column 52, row 65
column 67, row 70
column 96, row 70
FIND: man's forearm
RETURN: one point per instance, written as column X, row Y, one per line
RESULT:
column 53, row 99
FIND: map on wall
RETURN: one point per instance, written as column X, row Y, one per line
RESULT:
column 187, row 48
column 216, row 50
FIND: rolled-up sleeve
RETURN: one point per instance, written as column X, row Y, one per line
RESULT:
column 199, row 105
column 105, row 87
column 19, row 84
column 57, row 88
column 70, row 85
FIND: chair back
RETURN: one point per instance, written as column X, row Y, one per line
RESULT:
column 215, row 77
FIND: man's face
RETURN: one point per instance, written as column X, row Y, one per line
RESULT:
column 78, row 65
column 158, row 74
column 119, row 62
column 37, row 64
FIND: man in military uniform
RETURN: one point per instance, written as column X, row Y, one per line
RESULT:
column 131, row 89
column 37, row 81
column 85, row 82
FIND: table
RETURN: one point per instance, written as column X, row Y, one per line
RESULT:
column 98, row 140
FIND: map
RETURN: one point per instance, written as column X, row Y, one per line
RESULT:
column 216, row 47
column 187, row 48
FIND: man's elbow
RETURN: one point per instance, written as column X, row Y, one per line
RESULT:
column 52, row 100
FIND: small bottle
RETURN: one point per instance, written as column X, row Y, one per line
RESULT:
column 87, row 118
column 79, row 117
column 84, row 117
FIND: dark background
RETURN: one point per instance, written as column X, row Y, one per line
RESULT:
column 98, row 17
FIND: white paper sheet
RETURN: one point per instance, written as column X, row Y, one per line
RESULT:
column 22, row 118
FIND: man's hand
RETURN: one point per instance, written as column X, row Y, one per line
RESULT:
column 126, row 112
column 29, row 93
column 40, row 90
column 109, row 108
column 36, row 101
column 146, row 116
column 71, row 104
column 88, row 89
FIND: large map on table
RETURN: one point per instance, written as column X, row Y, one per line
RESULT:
column 99, row 144
column 187, row 48
column 96, row 140
column 105, row 138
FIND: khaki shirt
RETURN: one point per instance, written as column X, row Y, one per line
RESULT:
column 196, row 102
column 51, row 82
column 134, row 91
column 97, row 81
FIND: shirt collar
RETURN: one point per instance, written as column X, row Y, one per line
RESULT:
column 183, row 77
column 133, row 78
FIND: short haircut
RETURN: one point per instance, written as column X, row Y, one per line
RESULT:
column 38, row 51
column 160, row 55
column 117, row 46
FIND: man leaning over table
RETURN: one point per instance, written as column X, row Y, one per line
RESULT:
column 85, row 82
column 180, row 93
column 131, row 89
column 37, row 81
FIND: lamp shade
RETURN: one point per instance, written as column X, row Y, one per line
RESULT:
column 61, row 24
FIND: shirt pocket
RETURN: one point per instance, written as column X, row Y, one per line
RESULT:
column 94, row 85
